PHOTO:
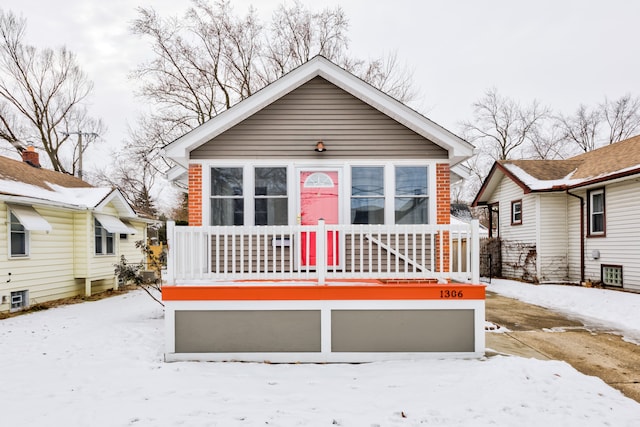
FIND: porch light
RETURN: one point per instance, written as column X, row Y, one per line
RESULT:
column 320, row 147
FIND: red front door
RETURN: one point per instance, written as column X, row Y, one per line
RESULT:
column 318, row 200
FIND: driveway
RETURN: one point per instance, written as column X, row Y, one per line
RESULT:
column 544, row 334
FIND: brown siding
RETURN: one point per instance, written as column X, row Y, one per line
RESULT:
column 319, row 110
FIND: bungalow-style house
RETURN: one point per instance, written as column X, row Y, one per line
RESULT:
column 319, row 143
column 59, row 236
column 319, row 210
column 569, row 220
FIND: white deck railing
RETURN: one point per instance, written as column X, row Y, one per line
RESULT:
column 230, row 253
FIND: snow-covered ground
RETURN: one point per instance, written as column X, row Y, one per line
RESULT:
column 615, row 310
column 100, row 364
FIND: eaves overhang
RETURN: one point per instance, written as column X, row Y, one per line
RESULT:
column 458, row 149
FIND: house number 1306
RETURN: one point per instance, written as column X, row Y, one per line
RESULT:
column 448, row 293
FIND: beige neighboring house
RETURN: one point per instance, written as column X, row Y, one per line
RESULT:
column 59, row 236
column 573, row 220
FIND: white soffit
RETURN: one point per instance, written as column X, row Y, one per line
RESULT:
column 113, row 224
column 30, row 219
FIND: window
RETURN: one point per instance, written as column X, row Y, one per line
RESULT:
column 596, row 212
column 271, row 204
column 367, row 195
column 611, row 275
column 227, row 203
column 19, row 300
column 516, row 212
column 19, row 237
column 22, row 221
column 318, row 180
column 411, row 195
column 103, row 239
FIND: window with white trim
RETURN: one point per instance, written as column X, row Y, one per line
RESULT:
column 270, row 192
column 596, row 212
column 367, row 195
column 411, row 195
column 227, row 197
column 104, row 240
column 516, row 212
column 19, row 240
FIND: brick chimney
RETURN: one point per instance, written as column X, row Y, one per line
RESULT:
column 31, row 157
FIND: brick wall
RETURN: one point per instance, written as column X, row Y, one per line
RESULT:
column 443, row 210
column 195, row 195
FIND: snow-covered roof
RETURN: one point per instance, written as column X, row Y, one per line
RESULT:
column 458, row 149
column 614, row 161
column 22, row 183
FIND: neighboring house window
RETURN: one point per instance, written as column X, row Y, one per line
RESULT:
column 367, row 195
column 516, row 212
column 411, row 195
column 19, row 300
column 271, row 204
column 227, row 203
column 103, row 239
column 596, row 212
column 19, row 237
column 611, row 275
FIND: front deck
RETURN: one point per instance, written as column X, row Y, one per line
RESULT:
column 328, row 293
column 324, row 252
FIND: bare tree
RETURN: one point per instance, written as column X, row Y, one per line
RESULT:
column 609, row 122
column 212, row 58
column 547, row 144
column 582, row 128
column 387, row 75
column 502, row 127
column 297, row 34
column 134, row 178
column 41, row 95
column 622, row 116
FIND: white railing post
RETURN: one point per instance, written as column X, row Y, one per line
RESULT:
column 171, row 254
column 475, row 251
column 321, row 252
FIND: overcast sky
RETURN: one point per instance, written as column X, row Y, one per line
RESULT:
column 562, row 53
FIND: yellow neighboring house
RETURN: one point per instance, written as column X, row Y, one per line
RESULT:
column 59, row 236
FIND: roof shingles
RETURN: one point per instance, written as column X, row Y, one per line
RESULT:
column 609, row 161
column 14, row 170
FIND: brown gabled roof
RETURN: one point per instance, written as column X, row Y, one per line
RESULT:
column 609, row 159
column 546, row 170
column 613, row 161
column 14, row 170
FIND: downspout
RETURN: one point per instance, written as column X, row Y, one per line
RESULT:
column 581, row 234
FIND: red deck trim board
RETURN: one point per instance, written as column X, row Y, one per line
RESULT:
column 275, row 292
